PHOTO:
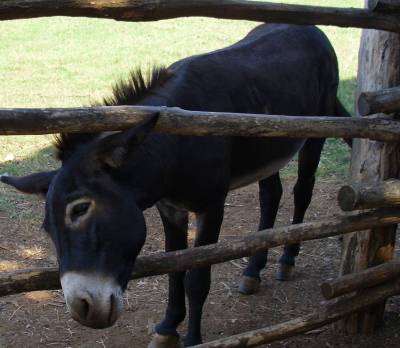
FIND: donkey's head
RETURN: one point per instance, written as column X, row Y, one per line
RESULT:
column 94, row 221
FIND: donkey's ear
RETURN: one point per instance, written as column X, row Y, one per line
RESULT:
column 114, row 148
column 35, row 183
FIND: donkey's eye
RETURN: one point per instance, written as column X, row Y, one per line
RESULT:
column 79, row 210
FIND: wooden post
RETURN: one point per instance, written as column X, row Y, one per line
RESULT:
column 372, row 161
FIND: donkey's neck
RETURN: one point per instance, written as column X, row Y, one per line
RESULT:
column 152, row 169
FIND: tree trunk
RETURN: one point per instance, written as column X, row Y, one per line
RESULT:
column 372, row 161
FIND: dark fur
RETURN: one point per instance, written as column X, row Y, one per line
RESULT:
column 280, row 69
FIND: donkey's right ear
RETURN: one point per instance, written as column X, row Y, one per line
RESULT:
column 35, row 183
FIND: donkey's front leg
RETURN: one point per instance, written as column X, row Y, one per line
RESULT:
column 270, row 195
column 175, row 223
column 198, row 280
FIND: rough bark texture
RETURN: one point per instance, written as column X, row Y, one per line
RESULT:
column 379, row 68
column 359, row 281
column 178, row 121
column 386, row 100
column 325, row 314
column 47, row 278
column 384, row 5
column 365, row 196
column 150, row 10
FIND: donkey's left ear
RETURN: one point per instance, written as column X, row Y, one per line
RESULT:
column 114, row 148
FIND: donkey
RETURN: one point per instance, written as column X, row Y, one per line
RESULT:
column 95, row 201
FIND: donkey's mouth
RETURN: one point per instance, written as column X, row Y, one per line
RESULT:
column 93, row 300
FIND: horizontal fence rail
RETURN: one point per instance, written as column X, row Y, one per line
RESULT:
column 367, row 278
column 386, row 101
column 366, row 196
column 325, row 314
column 162, row 263
column 183, row 122
column 150, row 10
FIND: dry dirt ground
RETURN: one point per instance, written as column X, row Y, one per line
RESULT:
column 41, row 319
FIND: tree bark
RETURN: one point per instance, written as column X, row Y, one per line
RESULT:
column 386, row 101
column 183, row 122
column 150, row 10
column 145, row 266
column 359, row 281
column 364, row 196
column 325, row 314
column 372, row 162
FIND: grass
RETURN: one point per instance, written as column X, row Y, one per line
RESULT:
column 65, row 62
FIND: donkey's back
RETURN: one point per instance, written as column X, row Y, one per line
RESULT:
column 279, row 69
column 275, row 69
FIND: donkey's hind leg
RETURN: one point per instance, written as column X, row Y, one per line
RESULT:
column 270, row 195
column 175, row 223
column 309, row 157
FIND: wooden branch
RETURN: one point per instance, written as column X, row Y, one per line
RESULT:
column 384, row 5
column 178, row 121
column 384, row 101
column 47, row 278
column 359, row 281
column 150, row 10
column 364, row 196
column 325, row 314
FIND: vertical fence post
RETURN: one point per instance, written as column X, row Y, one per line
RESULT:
column 372, row 161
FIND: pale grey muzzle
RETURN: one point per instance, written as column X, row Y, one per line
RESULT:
column 94, row 300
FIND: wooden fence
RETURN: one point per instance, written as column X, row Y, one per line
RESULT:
column 374, row 160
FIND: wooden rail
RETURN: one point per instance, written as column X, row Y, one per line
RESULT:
column 325, row 314
column 178, row 121
column 360, row 281
column 366, row 196
column 383, row 101
column 150, row 10
column 47, row 278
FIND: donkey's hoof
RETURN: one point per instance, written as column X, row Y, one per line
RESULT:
column 285, row 272
column 161, row 341
column 249, row 285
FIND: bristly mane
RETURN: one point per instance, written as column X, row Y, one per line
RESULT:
column 124, row 92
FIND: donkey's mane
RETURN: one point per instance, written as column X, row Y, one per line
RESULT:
column 125, row 92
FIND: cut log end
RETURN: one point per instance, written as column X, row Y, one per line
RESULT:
column 363, row 105
column 347, row 198
column 327, row 290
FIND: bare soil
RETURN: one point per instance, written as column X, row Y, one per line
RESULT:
column 41, row 319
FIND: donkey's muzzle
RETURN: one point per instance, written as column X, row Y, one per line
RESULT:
column 93, row 300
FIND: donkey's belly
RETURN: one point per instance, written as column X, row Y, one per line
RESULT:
column 257, row 159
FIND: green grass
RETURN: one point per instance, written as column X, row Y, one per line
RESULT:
column 65, row 62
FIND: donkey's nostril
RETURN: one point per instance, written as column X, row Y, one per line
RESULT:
column 81, row 307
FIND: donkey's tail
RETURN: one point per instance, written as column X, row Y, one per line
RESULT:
column 341, row 111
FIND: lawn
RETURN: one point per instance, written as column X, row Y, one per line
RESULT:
column 65, row 62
